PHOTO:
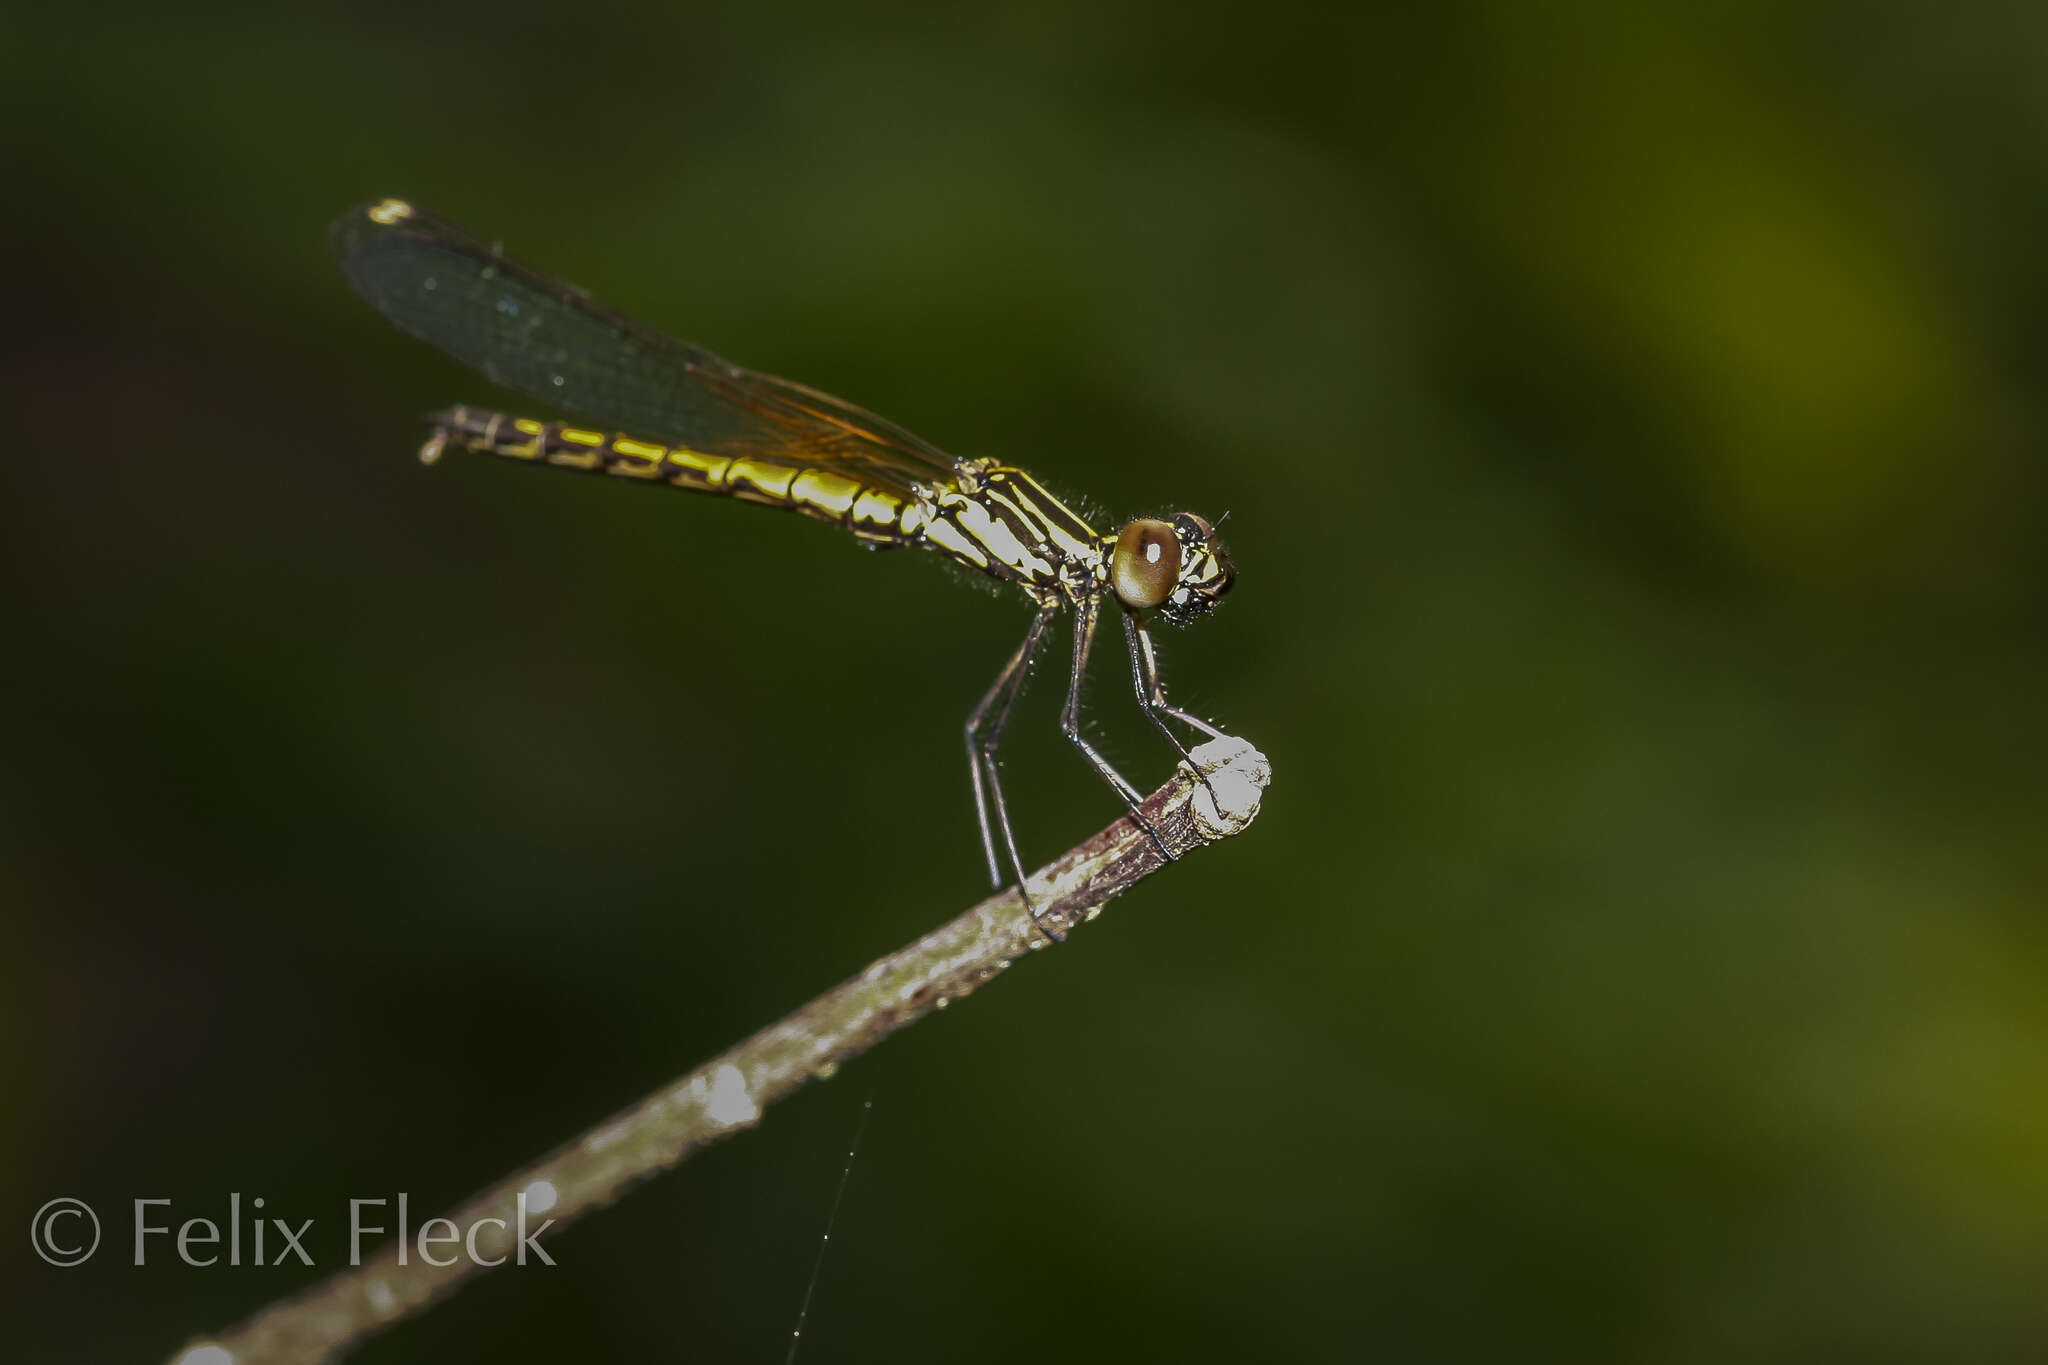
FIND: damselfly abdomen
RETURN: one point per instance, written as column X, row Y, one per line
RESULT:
column 676, row 414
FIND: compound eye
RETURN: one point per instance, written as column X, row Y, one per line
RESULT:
column 1146, row 564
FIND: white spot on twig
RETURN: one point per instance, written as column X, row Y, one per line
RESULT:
column 1237, row 775
column 541, row 1196
column 731, row 1103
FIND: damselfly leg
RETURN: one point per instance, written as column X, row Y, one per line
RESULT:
column 984, row 735
column 1087, row 613
column 1152, row 696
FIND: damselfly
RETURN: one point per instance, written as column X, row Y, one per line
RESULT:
column 673, row 413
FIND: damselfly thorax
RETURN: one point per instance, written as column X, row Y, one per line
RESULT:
column 674, row 413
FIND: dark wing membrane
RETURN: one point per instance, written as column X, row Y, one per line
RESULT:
column 521, row 329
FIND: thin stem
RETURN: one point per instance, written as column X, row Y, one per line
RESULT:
column 729, row 1092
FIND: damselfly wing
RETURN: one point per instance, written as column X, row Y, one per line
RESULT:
column 666, row 411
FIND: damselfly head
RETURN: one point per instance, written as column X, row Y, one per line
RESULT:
column 1178, row 567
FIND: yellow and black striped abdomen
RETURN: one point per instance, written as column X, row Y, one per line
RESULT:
column 878, row 516
column 992, row 518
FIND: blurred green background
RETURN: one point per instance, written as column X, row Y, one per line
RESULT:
column 1631, row 425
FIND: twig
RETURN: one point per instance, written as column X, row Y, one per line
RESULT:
column 729, row 1092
